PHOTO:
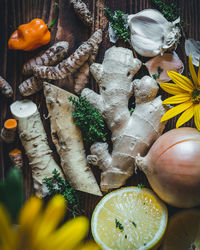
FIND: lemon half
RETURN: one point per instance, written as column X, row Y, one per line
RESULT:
column 129, row 218
column 183, row 231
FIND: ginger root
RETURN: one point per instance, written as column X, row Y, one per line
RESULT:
column 34, row 141
column 82, row 11
column 68, row 140
column 8, row 132
column 72, row 63
column 5, row 88
column 131, row 133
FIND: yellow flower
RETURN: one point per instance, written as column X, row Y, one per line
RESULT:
column 39, row 230
column 185, row 92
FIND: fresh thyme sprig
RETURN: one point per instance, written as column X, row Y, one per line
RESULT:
column 119, row 24
column 57, row 185
column 89, row 120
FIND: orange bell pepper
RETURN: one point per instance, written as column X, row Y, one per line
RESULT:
column 30, row 36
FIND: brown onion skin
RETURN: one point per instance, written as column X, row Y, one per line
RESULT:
column 172, row 167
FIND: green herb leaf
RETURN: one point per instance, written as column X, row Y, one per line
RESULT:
column 57, row 185
column 89, row 120
column 140, row 185
column 119, row 225
column 119, row 24
column 134, row 224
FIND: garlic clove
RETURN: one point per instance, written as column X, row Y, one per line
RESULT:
column 151, row 33
column 193, row 47
column 167, row 62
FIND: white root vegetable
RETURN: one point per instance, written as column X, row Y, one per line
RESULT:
column 193, row 47
column 131, row 134
column 68, row 140
column 151, row 33
column 34, row 141
column 172, row 167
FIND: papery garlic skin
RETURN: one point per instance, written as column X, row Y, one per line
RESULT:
column 152, row 34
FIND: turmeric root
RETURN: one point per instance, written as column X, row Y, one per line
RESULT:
column 16, row 158
column 131, row 133
column 81, row 77
column 68, row 141
column 82, row 11
column 51, row 56
column 30, row 86
column 8, row 132
column 34, row 141
column 72, row 63
column 5, row 88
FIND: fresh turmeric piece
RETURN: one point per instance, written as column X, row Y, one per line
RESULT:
column 51, row 56
column 132, row 133
column 16, row 158
column 82, row 11
column 8, row 132
column 72, row 63
column 30, row 86
column 5, row 88
column 30, row 36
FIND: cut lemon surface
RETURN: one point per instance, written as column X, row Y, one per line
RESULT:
column 129, row 218
column 183, row 231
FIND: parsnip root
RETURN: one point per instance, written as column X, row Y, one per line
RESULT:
column 34, row 141
column 131, row 134
column 5, row 88
column 68, row 141
column 72, row 63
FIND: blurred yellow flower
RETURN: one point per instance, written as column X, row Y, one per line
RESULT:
column 185, row 92
column 39, row 229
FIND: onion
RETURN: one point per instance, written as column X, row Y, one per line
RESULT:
column 172, row 167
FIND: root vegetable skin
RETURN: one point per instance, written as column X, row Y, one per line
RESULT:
column 5, row 88
column 172, row 167
column 16, row 158
column 68, row 140
column 30, row 86
column 82, row 11
column 131, row 134
column 72, row 63
column 34, row 141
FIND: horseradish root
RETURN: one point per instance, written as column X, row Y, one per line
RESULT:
column 68, row 141
column 131, row 133
column 8, row 132
column 34, row 141
column 5, row 88
column 51, row 56
column 82, row 11
column 30, row 86
column 172, row 167
column 72, row 63
column 16, row 158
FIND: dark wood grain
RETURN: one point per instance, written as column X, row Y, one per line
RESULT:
column 15, row 12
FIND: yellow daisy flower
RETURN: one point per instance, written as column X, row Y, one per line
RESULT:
column 185, row 92
column 38, row 229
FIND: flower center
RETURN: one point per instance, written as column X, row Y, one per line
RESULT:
column 196, row 95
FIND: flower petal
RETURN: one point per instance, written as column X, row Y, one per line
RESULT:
column 176, row 110
column 192, row 71
column 172, row 88
column 182, row 81
column 51, row 217
column 69, row 235
column 197, row 116
column 186, row 116
column 199, row 75
column 6, row 233
column 177, row 99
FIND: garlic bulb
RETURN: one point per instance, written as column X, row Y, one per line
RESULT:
column 151, row 33
column 193, row 47
column 166, row 62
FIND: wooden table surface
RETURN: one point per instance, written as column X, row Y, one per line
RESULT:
column 69, row 28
